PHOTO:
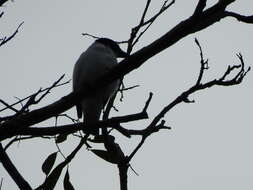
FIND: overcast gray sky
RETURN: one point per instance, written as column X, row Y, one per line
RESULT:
column 210, row 144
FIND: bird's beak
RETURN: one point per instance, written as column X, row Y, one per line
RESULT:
column 122, row 54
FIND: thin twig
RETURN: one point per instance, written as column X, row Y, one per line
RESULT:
column 36, row 93
column 203, row 63
column 133, row 36
column 90, row 35
column 6, row 39
column 69, row 117
column 153, row 127
column 8, row 106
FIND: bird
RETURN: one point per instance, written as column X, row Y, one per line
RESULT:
column 100, row 57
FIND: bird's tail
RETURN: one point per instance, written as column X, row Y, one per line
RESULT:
column 91, row 114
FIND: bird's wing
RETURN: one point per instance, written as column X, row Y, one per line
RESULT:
column 76, row 85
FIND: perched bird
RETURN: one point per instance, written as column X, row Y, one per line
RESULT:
column 100, row 57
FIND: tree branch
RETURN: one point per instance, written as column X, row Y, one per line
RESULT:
column 71, row 128
column 216, row 82
column 6, row 39
column 189, row 26
column 123, row 168
column 200, row 7
column 8, row 106
column 32, row 96
column 133, row 37
column 12, row 170
column 241, row 18
column 222, row 81
column 203, row 63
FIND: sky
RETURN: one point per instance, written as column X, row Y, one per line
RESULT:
column 210, row 144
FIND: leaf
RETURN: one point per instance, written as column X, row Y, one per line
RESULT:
column 106, row 156
column 48, row 163
column 52, row 179
column 66, row 183
column 61, row 138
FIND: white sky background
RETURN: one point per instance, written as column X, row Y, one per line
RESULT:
column 210, row 144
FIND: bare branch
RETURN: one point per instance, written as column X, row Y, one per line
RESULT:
column 220, row 82
column 129, row 88
column 46, row 90
column 144, row 12
column 136, row 29
column 146, row 133
column 203, row 63
column 71, row 128
column 200, row 7
column 122, row 88
column 148, row 102
column 241, row 18
column 133, row 37
column 8, row 106
column 153, row 127
column 69, row 117
column 6, row 39
column 164, row 7
column 12, row 170
column 113, row 122
column 140, row 35
column 50, row 88
column 32, row 100
column 90, row 35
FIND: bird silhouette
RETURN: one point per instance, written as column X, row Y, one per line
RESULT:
column 100, row 57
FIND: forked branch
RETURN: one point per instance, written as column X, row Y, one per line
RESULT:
column 222, row 81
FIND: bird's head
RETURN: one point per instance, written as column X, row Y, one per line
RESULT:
column 113, row 46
